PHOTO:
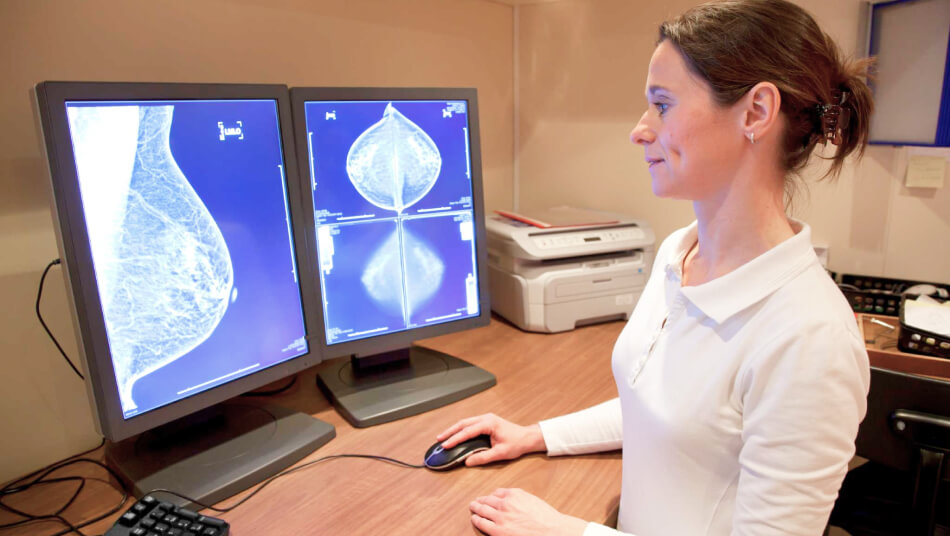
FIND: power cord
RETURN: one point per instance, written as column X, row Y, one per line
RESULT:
column 39, row 295
column 42, row 477
column 13, row 483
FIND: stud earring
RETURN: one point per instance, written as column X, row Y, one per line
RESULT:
column 751, row 136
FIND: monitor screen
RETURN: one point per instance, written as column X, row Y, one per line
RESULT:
column 186, row 210
column 178, row 213
column 399, row 235
column 394, row 215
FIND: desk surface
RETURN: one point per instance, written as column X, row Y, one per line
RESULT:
column 539, row 376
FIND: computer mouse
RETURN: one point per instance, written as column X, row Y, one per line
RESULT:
column 441, row 459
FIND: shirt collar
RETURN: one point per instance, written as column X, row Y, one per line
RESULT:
column 729, row 294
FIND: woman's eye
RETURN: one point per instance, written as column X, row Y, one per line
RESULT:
column 661, row 107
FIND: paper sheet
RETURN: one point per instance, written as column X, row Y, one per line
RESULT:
column 925, row 171
column 931, row 317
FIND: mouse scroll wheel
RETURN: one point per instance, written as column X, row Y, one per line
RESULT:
column 437, row 450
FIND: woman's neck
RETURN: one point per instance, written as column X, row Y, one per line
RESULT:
column 735, row 227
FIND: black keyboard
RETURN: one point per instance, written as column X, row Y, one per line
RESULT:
column 152, row 517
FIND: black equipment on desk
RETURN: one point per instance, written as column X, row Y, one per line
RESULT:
column 879, row 295
column 920, row 341
column 150, row 516
column 905, row 436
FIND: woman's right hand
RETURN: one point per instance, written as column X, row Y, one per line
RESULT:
column 508, row 440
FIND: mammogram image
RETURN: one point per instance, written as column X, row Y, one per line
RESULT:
column 162, row 266
column 403, row 273
column 394, row 163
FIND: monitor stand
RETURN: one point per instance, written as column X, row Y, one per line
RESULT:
column 389, row 386
column 217, row 452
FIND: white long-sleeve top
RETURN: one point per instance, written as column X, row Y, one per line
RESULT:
column 739, row 399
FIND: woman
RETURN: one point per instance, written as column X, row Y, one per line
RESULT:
column 741, row 373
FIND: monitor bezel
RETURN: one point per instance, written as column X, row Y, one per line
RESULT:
column 299, row 96
column 76, row 255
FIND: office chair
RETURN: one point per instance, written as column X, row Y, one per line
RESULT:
column 906, row 438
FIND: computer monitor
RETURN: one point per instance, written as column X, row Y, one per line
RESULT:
column 399, row 233
column 179, row 223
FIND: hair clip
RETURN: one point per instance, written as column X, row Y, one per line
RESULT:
column 833, row 118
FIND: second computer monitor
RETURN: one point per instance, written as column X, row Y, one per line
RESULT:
column 398, row 227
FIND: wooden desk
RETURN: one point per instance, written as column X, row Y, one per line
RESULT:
column 539, row 376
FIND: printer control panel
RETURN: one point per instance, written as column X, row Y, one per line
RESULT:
column 581, row 238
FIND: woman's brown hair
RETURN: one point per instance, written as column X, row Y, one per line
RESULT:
column 735, row 44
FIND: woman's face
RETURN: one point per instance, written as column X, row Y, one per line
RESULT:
column 691, row 143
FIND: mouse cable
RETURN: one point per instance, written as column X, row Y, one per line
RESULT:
column 39, row 294
column 285, row 473
column 41, row 478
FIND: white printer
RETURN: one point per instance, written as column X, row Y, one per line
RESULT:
column 558, row 278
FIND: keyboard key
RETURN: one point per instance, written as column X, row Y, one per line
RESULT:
column 213, row 521
column 186, row 514
column 128, row 519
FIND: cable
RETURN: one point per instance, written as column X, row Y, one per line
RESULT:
column 8, row 485
column 56, row 516
column 41, row 519
column 285, row 473
column 39, row 294
column 82, row 484
column 273, row 392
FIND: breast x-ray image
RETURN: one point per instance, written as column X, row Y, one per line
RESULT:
column 181, row 201
column 393, row 207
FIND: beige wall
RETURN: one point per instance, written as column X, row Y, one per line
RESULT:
column 580, row 79
column 43, row 407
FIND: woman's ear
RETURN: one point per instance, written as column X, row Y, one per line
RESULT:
column 760, row 110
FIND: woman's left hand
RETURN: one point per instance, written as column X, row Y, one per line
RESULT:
column 515, row 512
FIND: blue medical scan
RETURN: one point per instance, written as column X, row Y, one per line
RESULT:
column 392, row 198
column 186, row 210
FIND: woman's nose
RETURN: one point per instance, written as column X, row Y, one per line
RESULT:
column 642, row 134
